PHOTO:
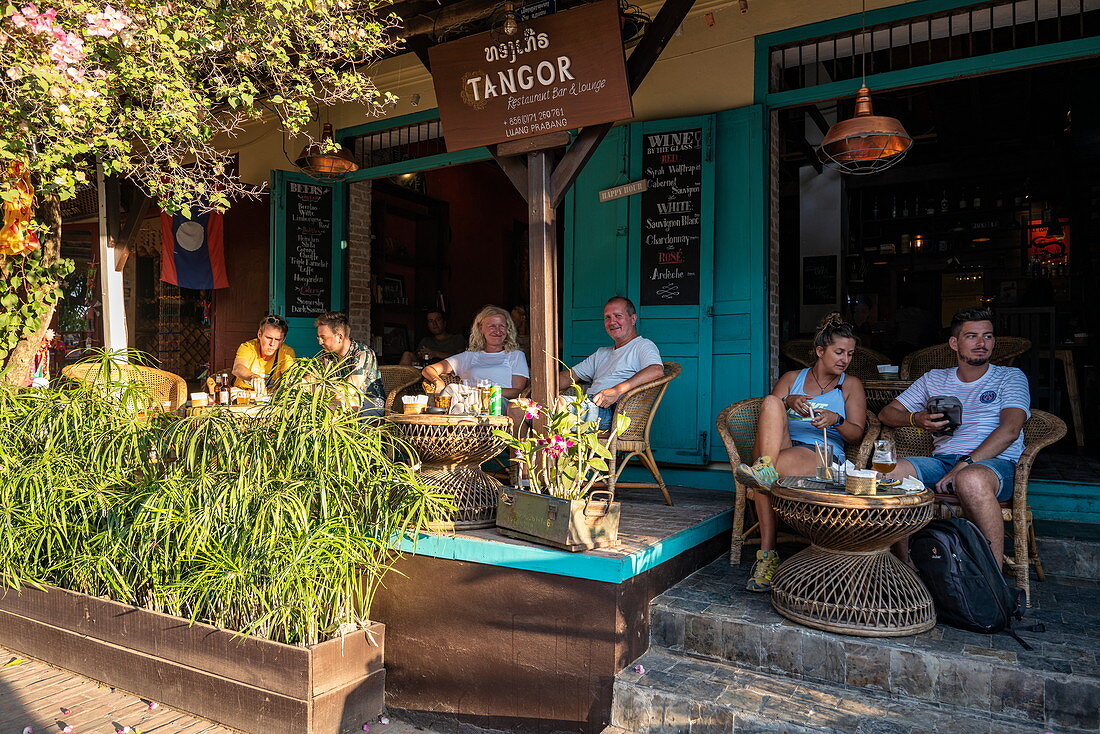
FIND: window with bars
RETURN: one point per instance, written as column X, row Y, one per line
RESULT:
column 396, row 144
column 974, row 31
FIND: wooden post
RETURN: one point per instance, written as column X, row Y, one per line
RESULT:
column 110, row 278
column 544, row 278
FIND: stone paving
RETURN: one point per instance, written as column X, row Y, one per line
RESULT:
column 722, row 660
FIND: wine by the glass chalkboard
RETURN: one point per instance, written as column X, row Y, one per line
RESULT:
column 308, row 249
column 671, row 213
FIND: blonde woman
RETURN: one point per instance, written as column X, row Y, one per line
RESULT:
column 493, row 355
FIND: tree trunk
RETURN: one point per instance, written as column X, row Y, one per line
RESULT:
column 17, row 366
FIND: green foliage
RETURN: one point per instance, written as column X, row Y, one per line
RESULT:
column 567, row 457
column 28, row 290
column 150, row 87
column 279, row 525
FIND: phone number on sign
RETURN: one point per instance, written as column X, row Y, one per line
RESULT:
column 556, row 115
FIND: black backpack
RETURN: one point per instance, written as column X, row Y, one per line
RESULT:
column 954, row 561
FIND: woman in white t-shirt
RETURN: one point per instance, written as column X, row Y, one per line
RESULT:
column 493, row 355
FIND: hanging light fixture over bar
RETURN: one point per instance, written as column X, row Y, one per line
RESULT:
column 867, row 143
column 333, row 164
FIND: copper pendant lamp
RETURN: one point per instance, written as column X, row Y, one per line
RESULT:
column 331, row 164
column 866, row 143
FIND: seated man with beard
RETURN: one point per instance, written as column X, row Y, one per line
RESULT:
column 977, row 461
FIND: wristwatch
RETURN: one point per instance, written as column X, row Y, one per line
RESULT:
column 967, row 458
column 839, row 421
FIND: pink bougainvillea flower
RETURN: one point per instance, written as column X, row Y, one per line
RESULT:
column 66, row 711
column 107, row 23
column 639, row 669
column 153, row 705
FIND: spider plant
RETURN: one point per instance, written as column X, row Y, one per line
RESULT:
column 280, row 525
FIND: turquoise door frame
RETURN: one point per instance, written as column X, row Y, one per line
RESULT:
column 301, row 335
column 927, row 74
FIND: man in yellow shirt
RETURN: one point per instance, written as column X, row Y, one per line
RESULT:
column 265, row 356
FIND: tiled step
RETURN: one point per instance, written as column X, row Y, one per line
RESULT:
column 710, row 615
column 680, row 694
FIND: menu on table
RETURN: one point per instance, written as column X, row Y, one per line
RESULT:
column 309, row 275
column 671, row 231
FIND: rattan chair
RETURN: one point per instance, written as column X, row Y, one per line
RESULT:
column 864, row 364
column 162, row 386
column 640, row 405
column 737, row 427
column 1040, row 430
column 396, row 379
column 942, row 356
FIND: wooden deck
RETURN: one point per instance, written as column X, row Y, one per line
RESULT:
column 33, row 693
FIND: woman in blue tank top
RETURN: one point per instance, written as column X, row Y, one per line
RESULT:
column 792, row 418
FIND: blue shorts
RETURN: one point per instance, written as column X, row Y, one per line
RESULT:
column 605, row 418
column 838, row 453
column 931, row 469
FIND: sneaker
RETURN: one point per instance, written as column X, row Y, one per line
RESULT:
column 760, row 475
column 763, row 570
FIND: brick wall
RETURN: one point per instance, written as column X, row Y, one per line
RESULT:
column 359, row 241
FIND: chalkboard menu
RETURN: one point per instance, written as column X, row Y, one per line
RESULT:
column 309, row 276
column 671, row 217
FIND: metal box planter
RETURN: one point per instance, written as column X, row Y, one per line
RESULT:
column 572, row 525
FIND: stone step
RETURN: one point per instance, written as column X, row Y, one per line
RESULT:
column 1073, row 561
column 709, row 615
column 681, row 694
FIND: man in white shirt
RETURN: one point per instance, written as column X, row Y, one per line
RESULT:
column 611, row 371
column 976, row 462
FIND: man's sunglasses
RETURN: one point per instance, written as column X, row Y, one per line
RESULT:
column 277, row 321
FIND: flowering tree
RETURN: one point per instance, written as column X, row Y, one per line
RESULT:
column 153, row 91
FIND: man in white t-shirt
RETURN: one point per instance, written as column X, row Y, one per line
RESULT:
column 611, row 371
column 977, row 462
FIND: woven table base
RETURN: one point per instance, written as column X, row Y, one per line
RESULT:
column 475, row 495
column 865, row 594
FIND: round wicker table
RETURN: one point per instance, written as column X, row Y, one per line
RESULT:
column 847, row 581
column 451, row 449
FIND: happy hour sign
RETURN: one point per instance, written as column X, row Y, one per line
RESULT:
column 560, row 72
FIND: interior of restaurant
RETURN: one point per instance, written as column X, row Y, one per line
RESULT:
column 997, row 203
column 451, row 238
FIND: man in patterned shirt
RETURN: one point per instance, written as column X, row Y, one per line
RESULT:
column 977, row 462
column 352, row 361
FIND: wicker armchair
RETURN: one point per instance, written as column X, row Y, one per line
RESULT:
column 942, row 356
column 395, row 380
column 162, row 386
column 737, row 427
column 640, row 405
column 864, row 363
column 1040, row 430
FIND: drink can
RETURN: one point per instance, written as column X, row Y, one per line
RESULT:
column 496, row 401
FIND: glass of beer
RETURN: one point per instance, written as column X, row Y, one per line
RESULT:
column 885, row 457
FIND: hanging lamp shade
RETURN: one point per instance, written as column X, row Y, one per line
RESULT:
column 336, row 163
column 866, row 143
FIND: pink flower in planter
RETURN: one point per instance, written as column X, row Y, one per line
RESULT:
column 639, row 669
column 557, row 445
column 152, row 706
column 531, row 409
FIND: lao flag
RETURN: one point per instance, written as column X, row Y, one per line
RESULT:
column 192, row 252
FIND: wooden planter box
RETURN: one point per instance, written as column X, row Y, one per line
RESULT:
column 247, row 683
column 572, row 525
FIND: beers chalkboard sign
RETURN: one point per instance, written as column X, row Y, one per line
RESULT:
column 309, row 275
column 671, row 217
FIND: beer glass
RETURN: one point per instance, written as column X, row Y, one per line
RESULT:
column 885, row 458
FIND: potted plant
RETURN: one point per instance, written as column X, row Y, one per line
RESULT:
column 218, row 564
column 563, row 460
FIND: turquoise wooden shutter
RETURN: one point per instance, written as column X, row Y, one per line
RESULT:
column 302, row 336
column 683, row 429
column 740, row 322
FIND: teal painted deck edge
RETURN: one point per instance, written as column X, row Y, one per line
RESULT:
column 563, row 563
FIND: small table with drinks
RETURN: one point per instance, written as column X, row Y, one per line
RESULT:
column 452, row 449
column 847, row 581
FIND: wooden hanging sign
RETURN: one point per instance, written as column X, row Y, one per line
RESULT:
column 560, row 72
